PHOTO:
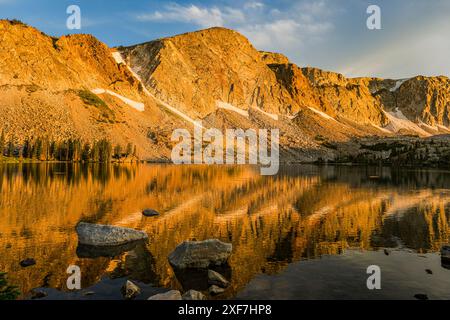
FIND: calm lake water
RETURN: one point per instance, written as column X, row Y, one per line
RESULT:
column 308, row 233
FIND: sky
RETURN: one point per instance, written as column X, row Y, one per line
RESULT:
column 414, row 38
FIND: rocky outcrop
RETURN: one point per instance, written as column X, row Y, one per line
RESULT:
column 104, row 235
column 339, row 96
column 270, row 58
column 200, row 254
column 425, row 99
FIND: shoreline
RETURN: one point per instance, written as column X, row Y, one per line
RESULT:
column 284, row 163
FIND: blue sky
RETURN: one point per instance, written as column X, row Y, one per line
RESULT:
column 329, row 34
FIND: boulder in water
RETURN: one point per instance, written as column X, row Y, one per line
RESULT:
column 104, row 235
column 200, row 254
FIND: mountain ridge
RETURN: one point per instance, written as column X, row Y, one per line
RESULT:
column 214, row 75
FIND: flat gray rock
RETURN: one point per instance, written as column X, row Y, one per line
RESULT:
column 104, row 235
column 193, row 295
column 169, row 295
column 200, row 254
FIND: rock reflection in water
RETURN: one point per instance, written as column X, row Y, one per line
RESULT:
column 302, row 213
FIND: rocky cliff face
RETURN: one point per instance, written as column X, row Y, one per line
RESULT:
column 215, row 75
column 423, row 100
column 196, row 71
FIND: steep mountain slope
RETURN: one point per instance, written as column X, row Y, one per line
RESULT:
column 45, row 90
column 424, row 100
column 197, row 70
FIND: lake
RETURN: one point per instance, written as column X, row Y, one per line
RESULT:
column 309, row 232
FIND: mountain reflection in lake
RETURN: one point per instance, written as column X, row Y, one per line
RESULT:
column 288, row 231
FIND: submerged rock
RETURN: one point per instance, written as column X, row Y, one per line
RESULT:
column 169, row 295
column 38, row 294
column 150, row 213
column 200, row 254
column 104, row 235
column 27, row 262
column 215, row 278
column 215, row 290
column 445, row 252
column 130, row 290
column 193, row 295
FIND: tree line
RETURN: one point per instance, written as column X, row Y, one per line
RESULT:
column 74, row 150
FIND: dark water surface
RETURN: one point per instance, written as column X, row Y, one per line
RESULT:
column 308, row 233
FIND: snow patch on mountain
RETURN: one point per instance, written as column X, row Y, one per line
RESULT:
column 119, row 59
column 322, row 114
column 398, row 84
column 134, row 104
column 270, row 115
column 398, row 121
column 230, row 107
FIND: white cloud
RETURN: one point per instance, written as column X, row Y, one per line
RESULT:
column 279, row 32
column 201, row 16
column 266, row 27
column 254, row 5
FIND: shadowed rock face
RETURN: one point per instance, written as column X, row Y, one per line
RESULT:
column 200, row 254
column 104, row 235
